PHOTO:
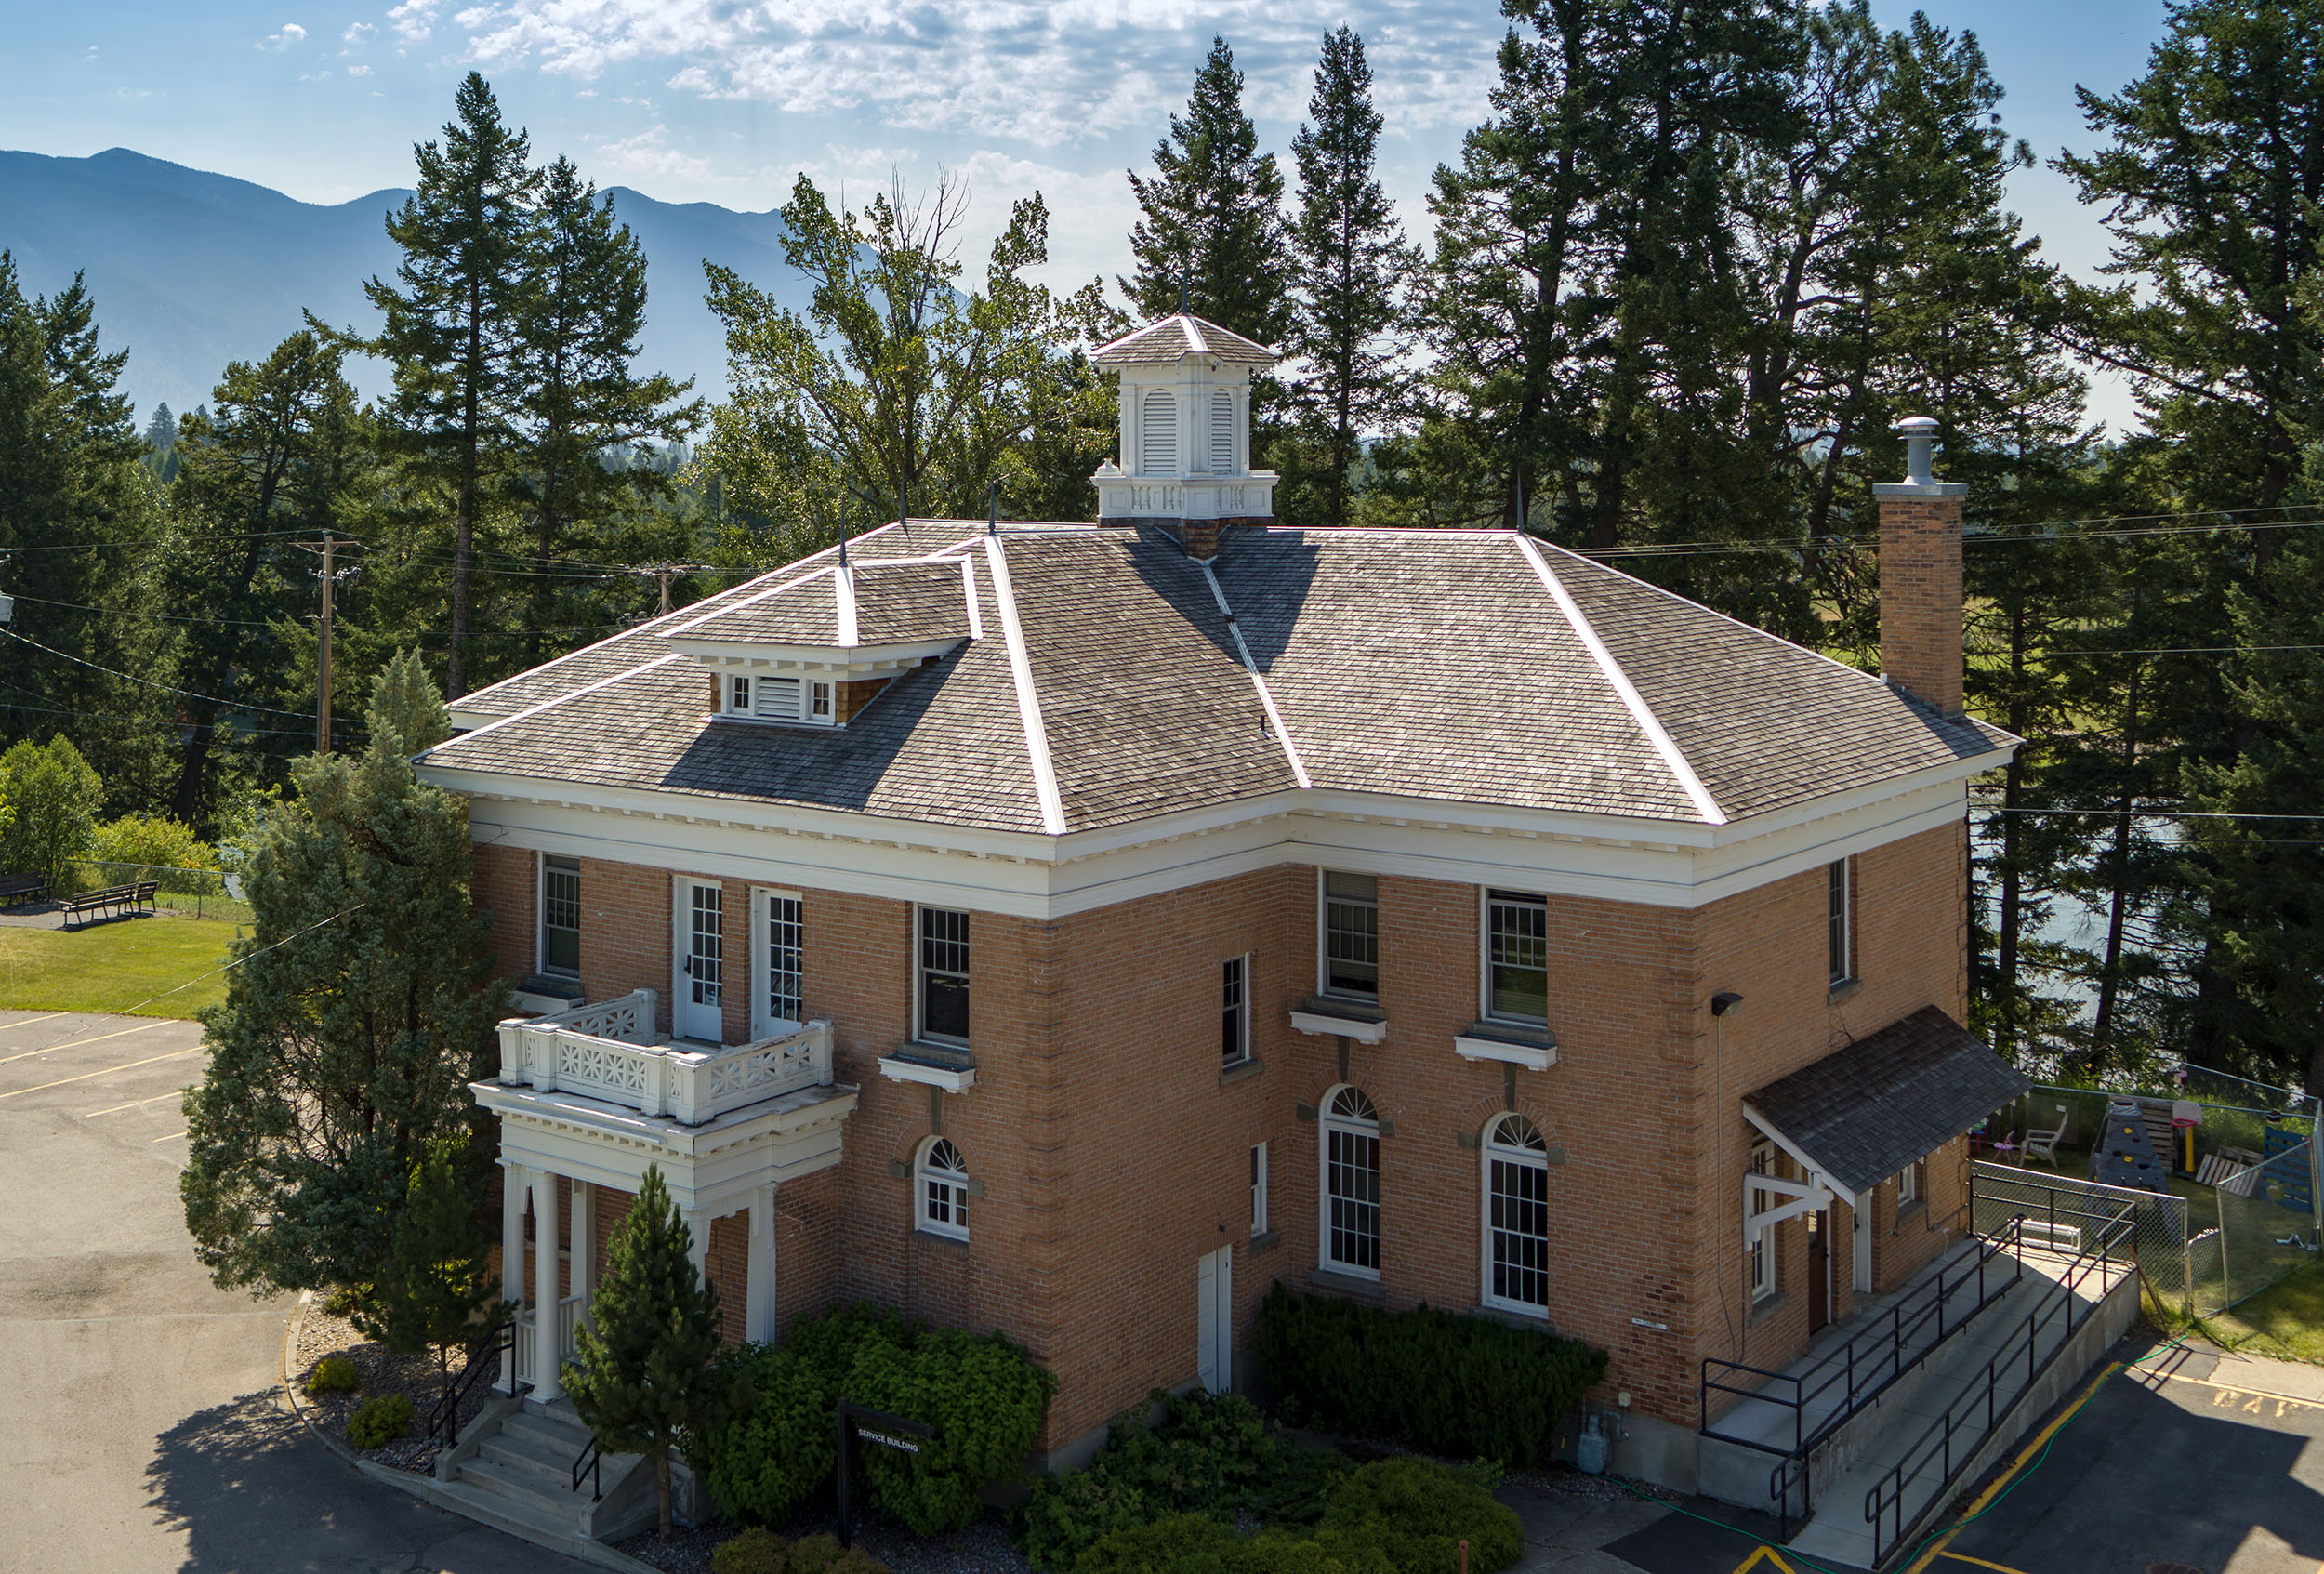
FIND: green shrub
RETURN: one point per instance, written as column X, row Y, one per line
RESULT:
column 756, row 1551
column 1210, row 1454
column 379, row 1421
column 347, row 1300
column 1417, row 1512
column 983, row 1394
column 334, row 1375
column 1190, row 1543
column 157, row 848
column 1450, row 1384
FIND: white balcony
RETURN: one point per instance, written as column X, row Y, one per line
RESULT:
column 607, row 1051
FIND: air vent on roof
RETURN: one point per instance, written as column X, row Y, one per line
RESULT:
column 775, row 699
column 1157, row 433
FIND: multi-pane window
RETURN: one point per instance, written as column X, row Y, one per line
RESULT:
column 944, row 1190
column 1351, row 936
column 1842, row 923
column 786, row 960
column 705, row 951
column 1763, row 1238
column 738, row 696
column 1911, row 1182
column 1516, row 1216
column 1258, row 1189
column 781, row 699
column 1235, row 1011
column 1516, row 957
column 943, row 969
column 560, row 916
column 1352, row 1184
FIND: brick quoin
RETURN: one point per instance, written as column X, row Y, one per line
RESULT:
column 1113, row 1155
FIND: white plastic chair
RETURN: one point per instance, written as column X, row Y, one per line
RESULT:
column 2043, row 1144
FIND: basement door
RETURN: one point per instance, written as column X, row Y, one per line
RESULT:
column 1214, row 1322
column 701, row 959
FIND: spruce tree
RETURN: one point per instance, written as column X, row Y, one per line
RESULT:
column 1348, row 310
column 407, row 711
column 436, row 1288
column 452, row 329
column 1212, row 224
column 646, row 1375
column 357, row 1012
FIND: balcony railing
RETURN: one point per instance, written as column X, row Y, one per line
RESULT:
column 607, row 1051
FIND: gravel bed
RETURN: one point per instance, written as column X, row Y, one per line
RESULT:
column 415, row 1377
column 983, row 1548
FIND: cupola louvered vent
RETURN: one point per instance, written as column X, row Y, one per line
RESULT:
column 1221, row 431
column 775, row 699
column 1157, row 433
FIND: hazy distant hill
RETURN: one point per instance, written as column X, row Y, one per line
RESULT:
column 191, row 271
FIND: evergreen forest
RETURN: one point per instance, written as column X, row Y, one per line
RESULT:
column 1690, row 265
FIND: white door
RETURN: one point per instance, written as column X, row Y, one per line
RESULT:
column 701, row 959
column 1214, row 1357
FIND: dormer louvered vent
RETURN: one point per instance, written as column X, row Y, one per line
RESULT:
column 1158, row 435
column 1221, row 431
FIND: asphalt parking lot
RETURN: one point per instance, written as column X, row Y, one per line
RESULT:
column 140, row 1424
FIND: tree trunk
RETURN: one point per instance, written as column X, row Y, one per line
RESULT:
column 661, row 1484
column 2109, row 971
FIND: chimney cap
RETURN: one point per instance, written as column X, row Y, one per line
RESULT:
column 1919, row 433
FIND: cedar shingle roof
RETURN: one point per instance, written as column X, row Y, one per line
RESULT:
column 1865, row 1112
column 1421, row 664
column 1160, row 343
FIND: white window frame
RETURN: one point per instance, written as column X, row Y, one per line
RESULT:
column 1323, row 939
column 1495, row 1151
column 746, row 699
column 737, row 695
column 540, row 916
column 1234, row 976
column 1484, row 957
column 1258, row 1188
column 1912, row 1182
column 1840, row 943
column 928, row 1177
column 764, row 1022
column 1763, row 1245
column 1327, row 1123
column 920, row 971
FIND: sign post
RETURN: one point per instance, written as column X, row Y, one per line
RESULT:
column 872, row 1426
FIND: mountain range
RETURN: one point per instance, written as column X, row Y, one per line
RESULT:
column 190, row 270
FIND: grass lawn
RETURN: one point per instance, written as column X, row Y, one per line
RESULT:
column 115, row 967
column 2285, row 1320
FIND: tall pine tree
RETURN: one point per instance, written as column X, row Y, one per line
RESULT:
column 1348, row 309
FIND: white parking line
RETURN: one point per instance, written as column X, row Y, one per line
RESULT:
column 34, row 1021
column 84, row 1076
column 76, row 1043
column 140, row 1103
column 171, row 1138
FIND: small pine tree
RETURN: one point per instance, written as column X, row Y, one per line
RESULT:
column 406, row 704
column 646, row 1375
column 436, row 1283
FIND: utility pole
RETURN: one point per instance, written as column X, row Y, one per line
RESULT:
column 323, row 659
column 663, row 573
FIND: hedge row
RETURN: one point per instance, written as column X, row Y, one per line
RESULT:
column 1461, row 1387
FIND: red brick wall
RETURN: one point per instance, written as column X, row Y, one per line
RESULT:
column 1920, row 605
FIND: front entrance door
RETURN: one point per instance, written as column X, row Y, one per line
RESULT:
column 1819, row 1269
column 1214, row 1360
column 701, row 959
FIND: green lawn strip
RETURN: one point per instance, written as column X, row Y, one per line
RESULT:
column 119, row 966
column 2286, row 1320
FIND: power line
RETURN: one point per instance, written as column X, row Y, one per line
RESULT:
column 132, row 678
column 2148, row 814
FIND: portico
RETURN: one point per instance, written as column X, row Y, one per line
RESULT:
column 586, row 1099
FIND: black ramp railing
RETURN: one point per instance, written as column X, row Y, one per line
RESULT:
column 444, row 1417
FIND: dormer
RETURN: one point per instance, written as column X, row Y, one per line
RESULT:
column 1184, row 460
column 814, row 650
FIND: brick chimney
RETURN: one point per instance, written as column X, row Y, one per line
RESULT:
column 1921, row 613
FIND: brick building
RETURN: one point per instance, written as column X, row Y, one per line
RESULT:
column 1075, row 930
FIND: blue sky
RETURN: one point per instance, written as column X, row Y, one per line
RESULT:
column 725, row 101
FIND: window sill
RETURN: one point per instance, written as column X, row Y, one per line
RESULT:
column 1906, row 1211
column 1533, row 1048
column 1842, row 989
column 1767, row 1306
column 1533, row 1318
column 1340, row 1282
column 914, row 1065
column 1265, row 1240
column 1329, row 1018
column 1250, row 1065
column 921, row 1235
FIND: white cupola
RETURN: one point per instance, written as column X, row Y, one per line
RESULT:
column 1185, row 423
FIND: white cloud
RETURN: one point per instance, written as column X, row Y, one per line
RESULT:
column 414, row 20
column 1042, row 74
column 356, row 36
column 646, row 156
column 358, row 71
column 278, row 42
column 322, row 75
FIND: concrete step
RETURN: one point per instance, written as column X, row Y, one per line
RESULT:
column 527, row 1461
column 519, row 1497
column 519, row 1517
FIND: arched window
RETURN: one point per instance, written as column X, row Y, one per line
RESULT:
column 1157, row 433
column 1516, row 1216
column 1221, row 432
column 942, row 1182
column 1350, row 1156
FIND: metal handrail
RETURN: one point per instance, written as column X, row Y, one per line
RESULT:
column 445, row 1414
column 1935, row 1441
column 591, row 1458
column 1867, row 1373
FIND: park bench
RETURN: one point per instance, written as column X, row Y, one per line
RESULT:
column 114, row 901
column 16, row 889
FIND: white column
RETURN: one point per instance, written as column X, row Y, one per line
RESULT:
column 546, row 1354
column 758, row 1315
column 511, row 1252
column 1860, row 1207
column 584, row 1232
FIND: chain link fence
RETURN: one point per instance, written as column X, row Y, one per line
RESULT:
column 201, row 893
